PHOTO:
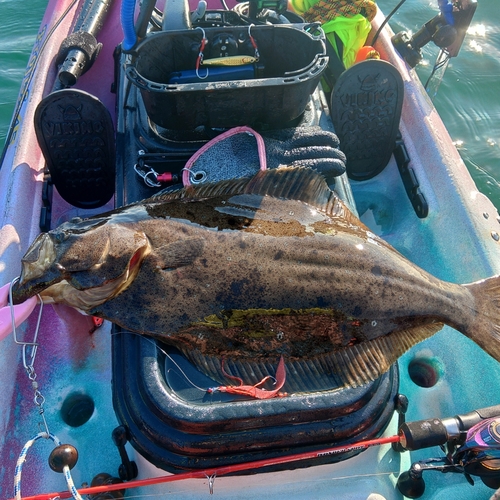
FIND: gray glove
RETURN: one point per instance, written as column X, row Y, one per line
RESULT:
column 307, row 147
column 238, row 155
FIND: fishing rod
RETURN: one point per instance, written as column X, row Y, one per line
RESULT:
column 221, row 471
column 472, row 440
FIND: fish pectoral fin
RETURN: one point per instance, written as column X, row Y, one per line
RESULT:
column 179, row 253
column 363, row 363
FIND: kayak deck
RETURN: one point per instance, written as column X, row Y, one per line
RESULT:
column 455, row 242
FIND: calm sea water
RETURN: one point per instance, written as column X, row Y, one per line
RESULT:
column 468, row 98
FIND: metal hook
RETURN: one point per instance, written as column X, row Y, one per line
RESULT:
column 196, row 177
column 199, row 60
column 211, row 481
column 198, row 71
column 42, row 425
column 253, row 42
column 38, row 398
column 202, row 30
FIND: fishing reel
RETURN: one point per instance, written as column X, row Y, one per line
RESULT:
column 480, row 455
column 446, row 30
column 473, row 451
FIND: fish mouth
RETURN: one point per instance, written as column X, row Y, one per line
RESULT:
column 38, row 259
column 37, row 269
column 62, row 292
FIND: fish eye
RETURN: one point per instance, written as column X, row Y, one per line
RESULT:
column 60, row 236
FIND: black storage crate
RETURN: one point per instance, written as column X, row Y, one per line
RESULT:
column 291, row 61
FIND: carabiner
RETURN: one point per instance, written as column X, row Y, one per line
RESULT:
column 148, row 175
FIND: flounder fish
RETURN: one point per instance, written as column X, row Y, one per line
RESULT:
column 250, row 271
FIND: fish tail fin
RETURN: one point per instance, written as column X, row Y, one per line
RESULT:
column 485, row 329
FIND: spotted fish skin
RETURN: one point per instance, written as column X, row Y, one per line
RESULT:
column 253, row 269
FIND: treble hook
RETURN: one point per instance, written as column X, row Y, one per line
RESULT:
column 211, row 481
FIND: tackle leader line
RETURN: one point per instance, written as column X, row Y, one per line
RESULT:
column 166, row 354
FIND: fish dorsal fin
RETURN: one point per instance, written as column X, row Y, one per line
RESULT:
column 289, row 183
column 302, row 184
column 202, row 191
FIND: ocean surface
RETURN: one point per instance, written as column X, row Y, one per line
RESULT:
column 468, row 98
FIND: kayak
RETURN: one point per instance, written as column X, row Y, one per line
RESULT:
column 120, row 102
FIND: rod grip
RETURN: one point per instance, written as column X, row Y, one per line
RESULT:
column 422, row 434
column 436, row 431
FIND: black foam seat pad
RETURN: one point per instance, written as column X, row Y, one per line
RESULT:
column 76, row 135
column 366, row 109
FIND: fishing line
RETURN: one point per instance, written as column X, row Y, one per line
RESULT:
column 254, row 391
column 302, row 480
column 165, row 353
column 225, row 470
column 386, row 20
column 441, row 61
column 490, row 179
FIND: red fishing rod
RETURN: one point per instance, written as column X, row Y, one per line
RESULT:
column 220, row 471
column 472, row 439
